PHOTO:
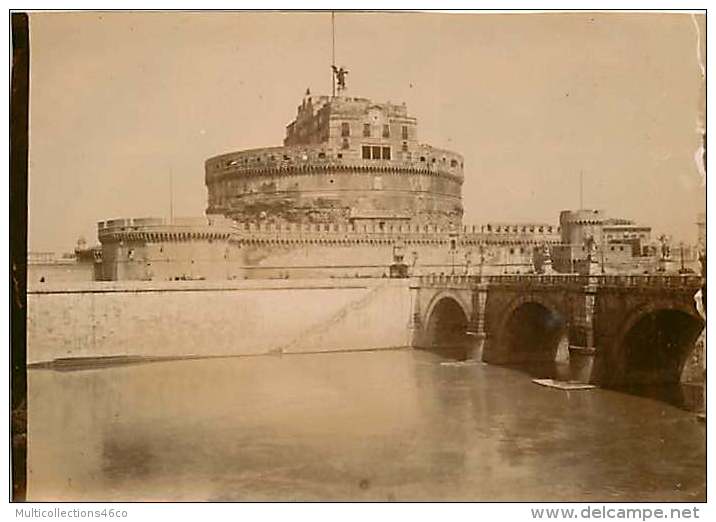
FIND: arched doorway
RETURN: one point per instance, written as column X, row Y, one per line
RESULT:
column 536, row 335
column 447, row 329
column 655, row 348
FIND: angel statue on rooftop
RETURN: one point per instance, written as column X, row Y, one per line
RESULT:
column 340, row 74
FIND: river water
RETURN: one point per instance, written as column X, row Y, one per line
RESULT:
column 384, row 425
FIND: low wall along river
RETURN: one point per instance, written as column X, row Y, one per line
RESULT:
column 202, row 318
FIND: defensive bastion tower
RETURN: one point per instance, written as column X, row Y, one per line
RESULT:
column 344, row 161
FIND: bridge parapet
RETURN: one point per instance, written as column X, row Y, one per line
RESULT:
column 660, row 281
column 537, row 280
column 447, row 281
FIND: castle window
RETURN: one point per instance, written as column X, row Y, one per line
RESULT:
column 453, row 163
column 339, row 155
column 322, row 155
column 345, row 129
column 404, row 131
column 366, row 152
column 386, row 131
column 386, row 153
column 422, row 158
column 366, row 130
column 376, row 152
column 345, row 144
column 405, row 146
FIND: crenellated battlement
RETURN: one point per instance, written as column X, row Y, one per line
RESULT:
column 159, row 229
column 391, row 233
column 217, row 227
column 298, row 160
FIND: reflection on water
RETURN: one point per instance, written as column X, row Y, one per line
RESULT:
column 391, row 425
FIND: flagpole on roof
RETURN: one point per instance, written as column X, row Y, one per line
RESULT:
column 333, row 53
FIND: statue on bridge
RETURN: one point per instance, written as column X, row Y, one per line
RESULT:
column 665, row 247
column 546, row 260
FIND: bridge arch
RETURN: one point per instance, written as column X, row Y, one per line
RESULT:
column 653, row 343
column 532, row 328
column 446, row 322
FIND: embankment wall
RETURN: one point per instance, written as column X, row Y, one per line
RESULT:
column 205, row 318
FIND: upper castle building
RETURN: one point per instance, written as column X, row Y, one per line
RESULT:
column 350, row 192
column 344, row 160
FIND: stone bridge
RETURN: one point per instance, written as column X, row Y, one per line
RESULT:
column 617, row 330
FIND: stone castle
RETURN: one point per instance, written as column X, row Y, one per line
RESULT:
column 353, row 193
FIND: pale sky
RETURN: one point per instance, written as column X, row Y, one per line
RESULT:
column 120, row 101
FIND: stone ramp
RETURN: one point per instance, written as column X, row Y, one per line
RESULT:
column 378, row 319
